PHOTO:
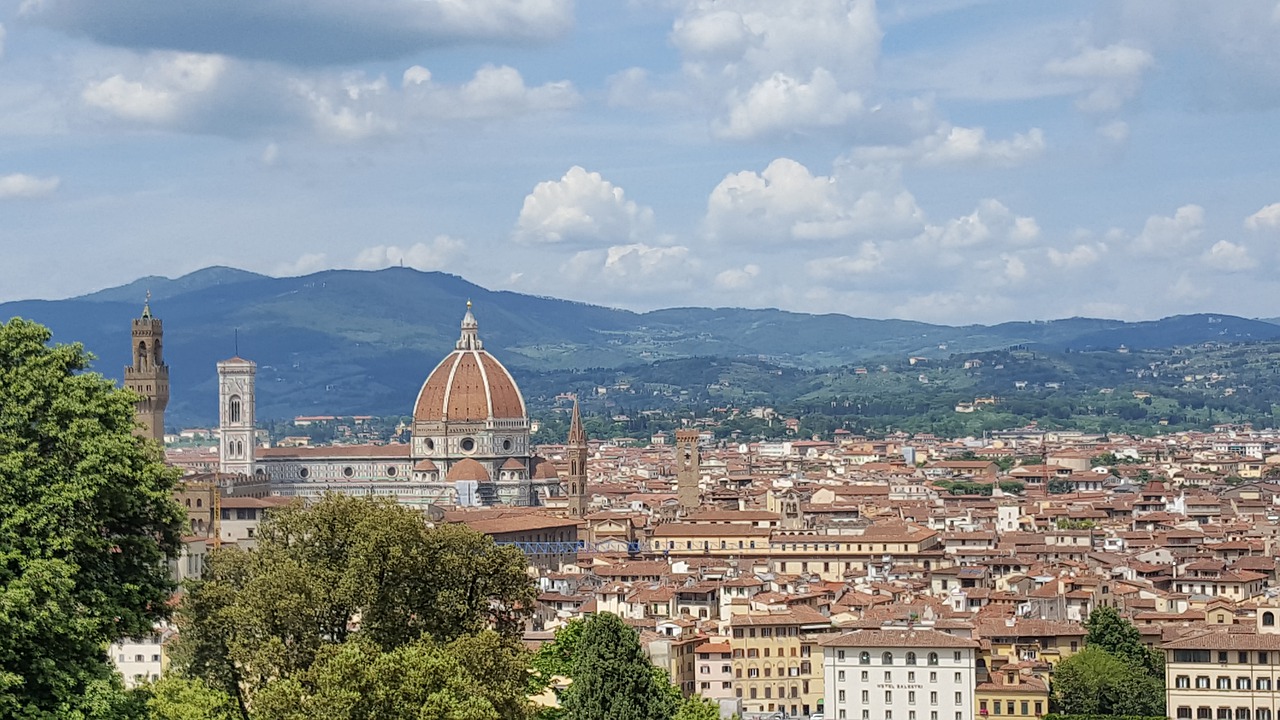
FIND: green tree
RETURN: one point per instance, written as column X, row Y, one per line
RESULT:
column 87, row 525
column 556, row 657
column 343, row 569
column 1095, row 682
column 178, row 698
column 697, row 707
column 1106, row 629
column 612, row 678
column 358, row 681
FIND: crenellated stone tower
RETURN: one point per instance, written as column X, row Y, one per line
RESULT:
column 688, row 470
column 148, row 376
column 576, row 482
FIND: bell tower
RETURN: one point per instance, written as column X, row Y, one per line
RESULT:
column 688, row 470
column 576, row 482
column 148, row 376
column 236, row 416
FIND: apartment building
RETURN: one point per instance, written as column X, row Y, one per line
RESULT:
column 777, row 660
column 1225, row 673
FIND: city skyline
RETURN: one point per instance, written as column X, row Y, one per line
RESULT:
column 942, row 161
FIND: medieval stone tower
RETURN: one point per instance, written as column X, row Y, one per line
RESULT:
column 576, row 482
column 148, row 376
column 235, row 415
column 688, row 470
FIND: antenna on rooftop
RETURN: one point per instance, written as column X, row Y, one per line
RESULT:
column 236, row 335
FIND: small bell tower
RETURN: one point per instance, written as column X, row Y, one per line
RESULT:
column 148, row 376
column 576, row 482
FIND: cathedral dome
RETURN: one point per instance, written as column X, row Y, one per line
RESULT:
column 469, row 385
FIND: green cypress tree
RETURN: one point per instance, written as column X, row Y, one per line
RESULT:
column 612, row 678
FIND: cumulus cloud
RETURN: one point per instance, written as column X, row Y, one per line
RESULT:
column 1229, row 257
column 1268, row 218
column 847, row 268
column 581, row 207
column 494, row 91
column 22, row 186
column 1114, row 72
column 779, row 67
column 306, row 264
column 163, row 89
column 317, row 32
column 780, row 104
column 737, row 278
column 438, row 254
column 951, row 145
column 990, row 222
column 786, row 202
column 1165, row 236
column 632, row 270
column 1079, row 256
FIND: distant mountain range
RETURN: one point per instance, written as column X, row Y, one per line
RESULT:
column 342, row 341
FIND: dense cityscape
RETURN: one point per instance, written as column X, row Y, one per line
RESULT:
column 766, row 576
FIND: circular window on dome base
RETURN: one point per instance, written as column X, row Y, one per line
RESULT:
column 467, row 445
column 429, row 445
column 303, row 473
column 506, row 445
column 348, row 471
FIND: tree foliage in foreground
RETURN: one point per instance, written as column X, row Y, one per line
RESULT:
column 87, row 525
column 613, row 679
column 1095, row 682
column 349, row 585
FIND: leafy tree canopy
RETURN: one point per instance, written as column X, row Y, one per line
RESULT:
column 344, row 570
column 1106, row 629
column 87, row 525
column 613, row 679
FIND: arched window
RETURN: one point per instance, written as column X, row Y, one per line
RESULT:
column 141, row 359
column 233, row 409
column 886, row 659
column 911, row 658
column 864, row 658
column 239, row 449
column 1269, row 619
column 933, row 658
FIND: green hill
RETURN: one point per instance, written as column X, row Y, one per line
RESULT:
column 342, row 342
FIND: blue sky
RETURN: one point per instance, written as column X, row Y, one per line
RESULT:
column 945, row 160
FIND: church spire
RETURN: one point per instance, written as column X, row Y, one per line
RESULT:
column 146, row 307
column 470, row 339
column 577, row 435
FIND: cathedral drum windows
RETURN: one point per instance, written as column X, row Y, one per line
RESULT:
column 467, row 445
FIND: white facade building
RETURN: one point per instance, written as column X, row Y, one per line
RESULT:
column 141, row 659
column 899, row 674
column 236, row 436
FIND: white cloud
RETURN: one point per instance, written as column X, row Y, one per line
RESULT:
column 779, row 67
column 847, row 268
column 270, row 154
column 1268, row 218
column 737, row 278
column 1167, row 236
column 581, row 207
column 167, row 83
column 1229, row 257
column 438, row 254
column 634, row 270
column 494, row 92
column 1080, row 256
column 786, row 202
column 780, row 104
column 990, row 222
column 951, row 145
column 22, row 186
column 306, row 264
column 1115, row 73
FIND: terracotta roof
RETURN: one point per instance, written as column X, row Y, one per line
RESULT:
column 425, row 466
column 918, row 638
column 468, row 469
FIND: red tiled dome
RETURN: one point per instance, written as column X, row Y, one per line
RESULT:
column 469, row 385
column 467, row 469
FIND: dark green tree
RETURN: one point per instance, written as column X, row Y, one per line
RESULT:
column 698, row 708
column 1106, row 629
column 612, row 678
column 87, row 526
column 347, row 568
column 1095, row 682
